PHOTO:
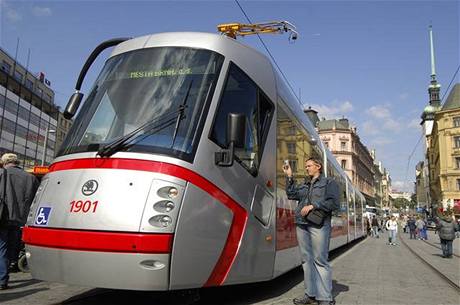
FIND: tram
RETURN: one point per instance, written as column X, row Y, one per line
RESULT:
column 171, row 175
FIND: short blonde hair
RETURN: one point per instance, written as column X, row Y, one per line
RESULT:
column 9, row 158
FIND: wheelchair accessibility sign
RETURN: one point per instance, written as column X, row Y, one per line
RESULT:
column 42, row 217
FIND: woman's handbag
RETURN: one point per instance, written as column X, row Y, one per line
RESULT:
column 316, row 217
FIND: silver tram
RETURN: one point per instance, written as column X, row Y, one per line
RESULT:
column 171, row 176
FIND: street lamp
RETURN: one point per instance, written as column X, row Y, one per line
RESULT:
column 48, row 131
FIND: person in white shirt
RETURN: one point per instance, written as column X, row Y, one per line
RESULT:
column 392, row 227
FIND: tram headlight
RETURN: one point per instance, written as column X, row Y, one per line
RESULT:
column 164, row 206
column 161, row 221
column 165, row 221
column 168, row 192
column 173, row 192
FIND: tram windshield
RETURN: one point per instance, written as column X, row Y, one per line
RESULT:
column 170, row 87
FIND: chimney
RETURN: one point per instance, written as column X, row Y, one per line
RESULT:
column 312, row 115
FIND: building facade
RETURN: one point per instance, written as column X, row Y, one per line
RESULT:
column 63, row 128
column 354, row 157
column 421, row 185
column 386, row 189
column 28, row 116
column 444, row 152
column 378, row 181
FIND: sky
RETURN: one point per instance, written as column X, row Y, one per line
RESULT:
column 368, row 61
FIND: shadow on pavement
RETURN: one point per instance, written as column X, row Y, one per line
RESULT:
column 23, row 283
column 235, row 294
column 252, row 293
column 337, row 288
column 8, row 296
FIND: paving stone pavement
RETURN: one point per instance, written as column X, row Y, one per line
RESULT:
column 371, row 272
column 377, row 273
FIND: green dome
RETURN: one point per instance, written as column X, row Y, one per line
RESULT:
column 429, row 109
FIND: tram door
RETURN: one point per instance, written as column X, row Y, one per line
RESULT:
column 252, row 175
column 351, row 213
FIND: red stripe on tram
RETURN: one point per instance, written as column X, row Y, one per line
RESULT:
column 235, row 235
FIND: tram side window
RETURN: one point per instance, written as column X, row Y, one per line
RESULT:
column 241, row 95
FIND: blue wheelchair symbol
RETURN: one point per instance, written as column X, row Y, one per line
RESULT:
column 42, row 216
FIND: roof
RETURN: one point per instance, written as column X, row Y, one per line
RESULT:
column 331, row 124
column 453, row 100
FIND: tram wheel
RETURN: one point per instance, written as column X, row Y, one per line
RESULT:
column 22, row 264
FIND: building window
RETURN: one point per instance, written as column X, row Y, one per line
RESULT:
column 457, row 122
column 343, row 146
column 457, row 162
column 6, row 67
column 29, row 84
column 458, row 184
column 18, row 75
column 457, row 142
column 344, row 164
column 291, row 148
column 290, row 131
column 293, row 164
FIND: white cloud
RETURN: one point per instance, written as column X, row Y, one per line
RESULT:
column 336, row 109
column 403, row 186
column 379, row 112
column 384, row 117
column 391, row 124
column 41, row 11
column 11, row 14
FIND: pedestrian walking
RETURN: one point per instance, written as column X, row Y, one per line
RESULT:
column 17, row 190
column 375, row 227
column 419, row 224
column 412, row 227
column 368, row 226
column 446, row 228
column 319, row 193
column 392, row 228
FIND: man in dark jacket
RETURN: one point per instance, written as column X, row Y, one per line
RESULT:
column 320, row 193
column 446, row 228
column 17, row 193
column 412, row 227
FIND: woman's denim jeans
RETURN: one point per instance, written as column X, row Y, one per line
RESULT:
column 314, row 250
column 392, row 236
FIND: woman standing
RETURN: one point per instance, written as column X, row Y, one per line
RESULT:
column 392, row 227
column 320, row 193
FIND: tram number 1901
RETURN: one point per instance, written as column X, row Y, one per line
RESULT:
column 77, row 206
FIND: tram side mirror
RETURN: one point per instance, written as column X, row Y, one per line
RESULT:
column 72, row 105
column 236, row 137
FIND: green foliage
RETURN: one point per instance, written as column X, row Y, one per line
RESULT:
column 401, row 203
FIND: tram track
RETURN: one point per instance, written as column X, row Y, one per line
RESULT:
column 433, row 268
column 439, row 247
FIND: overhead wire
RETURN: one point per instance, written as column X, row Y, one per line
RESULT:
column 270, row 54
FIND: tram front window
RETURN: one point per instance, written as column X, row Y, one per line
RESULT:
column 168, row 89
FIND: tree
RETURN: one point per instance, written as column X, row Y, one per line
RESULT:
column 401, row 203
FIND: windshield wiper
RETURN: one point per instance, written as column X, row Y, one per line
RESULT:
column 111, row 148
column 181, row 116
